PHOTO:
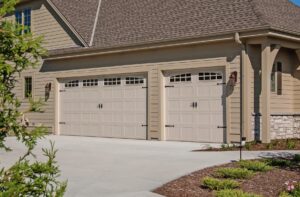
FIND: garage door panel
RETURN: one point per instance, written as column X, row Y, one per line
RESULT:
column 195, row 107
column 111, row 108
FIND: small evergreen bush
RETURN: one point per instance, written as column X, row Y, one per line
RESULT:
column 216, row 184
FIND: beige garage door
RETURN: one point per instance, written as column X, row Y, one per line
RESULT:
column 104, row 106
column 195, row 106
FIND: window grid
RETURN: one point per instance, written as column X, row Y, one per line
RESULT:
column 27, row 20
column 19, row 20
column 181, row 78
column 72, row 84
column 134, row 80
column 90, row 82
column 28, row 87
column 210, row 76
column 112, row 81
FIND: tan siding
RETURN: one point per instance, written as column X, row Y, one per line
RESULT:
column 152, row 63
column 46, row 23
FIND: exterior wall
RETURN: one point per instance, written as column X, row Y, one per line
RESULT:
column 154, row 63
column 46, row 23
column 283, row 126
column 285, row 107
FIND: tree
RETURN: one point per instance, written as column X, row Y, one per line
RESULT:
column 19, row 52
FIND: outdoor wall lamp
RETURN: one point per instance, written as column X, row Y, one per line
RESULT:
column 47, row 91
column 233, row 78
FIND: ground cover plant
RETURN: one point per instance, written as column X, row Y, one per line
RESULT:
column 272, row 177
column 234, row 173
column 284, row 144
column 217, row 184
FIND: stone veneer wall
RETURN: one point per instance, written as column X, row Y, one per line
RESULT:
column 283, row 126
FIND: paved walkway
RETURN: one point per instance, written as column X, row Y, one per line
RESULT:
column 127, row 168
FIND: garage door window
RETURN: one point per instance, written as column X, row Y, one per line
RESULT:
column 72, row 84
column 181, row 78
column 112, row 81
column 90, row 82
column 209, row 76
column 134, row 80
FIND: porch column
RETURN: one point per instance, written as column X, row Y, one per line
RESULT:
column 268, row 57
column 246, row 115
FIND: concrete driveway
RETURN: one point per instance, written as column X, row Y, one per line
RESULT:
column 113, row 167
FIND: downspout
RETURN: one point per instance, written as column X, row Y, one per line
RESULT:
column 243, row 46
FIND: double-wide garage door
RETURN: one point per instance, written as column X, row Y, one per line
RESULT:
column 104, row 106
column 195, row 106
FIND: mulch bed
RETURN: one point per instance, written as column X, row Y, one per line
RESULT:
column 255, row 146
column 268, row 184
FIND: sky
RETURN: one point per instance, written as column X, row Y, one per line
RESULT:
column 296, row 2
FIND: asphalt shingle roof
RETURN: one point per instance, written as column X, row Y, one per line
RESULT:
column 133, row 22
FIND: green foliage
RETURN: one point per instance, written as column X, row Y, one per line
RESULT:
column 296, row 158
column 37, row 179
column 36, row 106
column 19, row 52
column 7, row 6
column 249, row 145
column 234, row 173
column 293, row 193
column 278, row 162
column 216, row 184
column 285, row 194
column 234, row 193
column 290, row 144
column 256, row 166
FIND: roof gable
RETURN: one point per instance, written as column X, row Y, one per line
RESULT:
column 80, row 14
column 134, row 22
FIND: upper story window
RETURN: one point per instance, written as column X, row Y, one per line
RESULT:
column 276, row 78
column 27, row 20
column 28, row 87
column 23, row 17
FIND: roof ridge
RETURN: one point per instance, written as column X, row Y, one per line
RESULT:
column 95, row 23
column 259, row 14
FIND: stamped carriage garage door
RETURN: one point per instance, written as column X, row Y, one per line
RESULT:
column 104, row 106
column 195, row 106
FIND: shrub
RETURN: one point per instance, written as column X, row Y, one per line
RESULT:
column 292, row 190
column 234, row 193
column 279, row 162
column 290, row 144
column 216, row 184
column 234, row 173
column 296, row 158
column 256, row 166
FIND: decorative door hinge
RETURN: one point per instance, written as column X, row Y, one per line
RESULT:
column 62, row 90
column 222, row 127
column 170, row 126
column 221, row 84
column 169, row 86
column 62, row 122
column 144, row 125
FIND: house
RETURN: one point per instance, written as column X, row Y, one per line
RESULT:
column 178, row 70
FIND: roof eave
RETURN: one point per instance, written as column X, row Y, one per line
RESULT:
column 83, row 52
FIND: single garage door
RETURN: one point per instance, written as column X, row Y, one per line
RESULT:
column 104, row 106
column 195, row 106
